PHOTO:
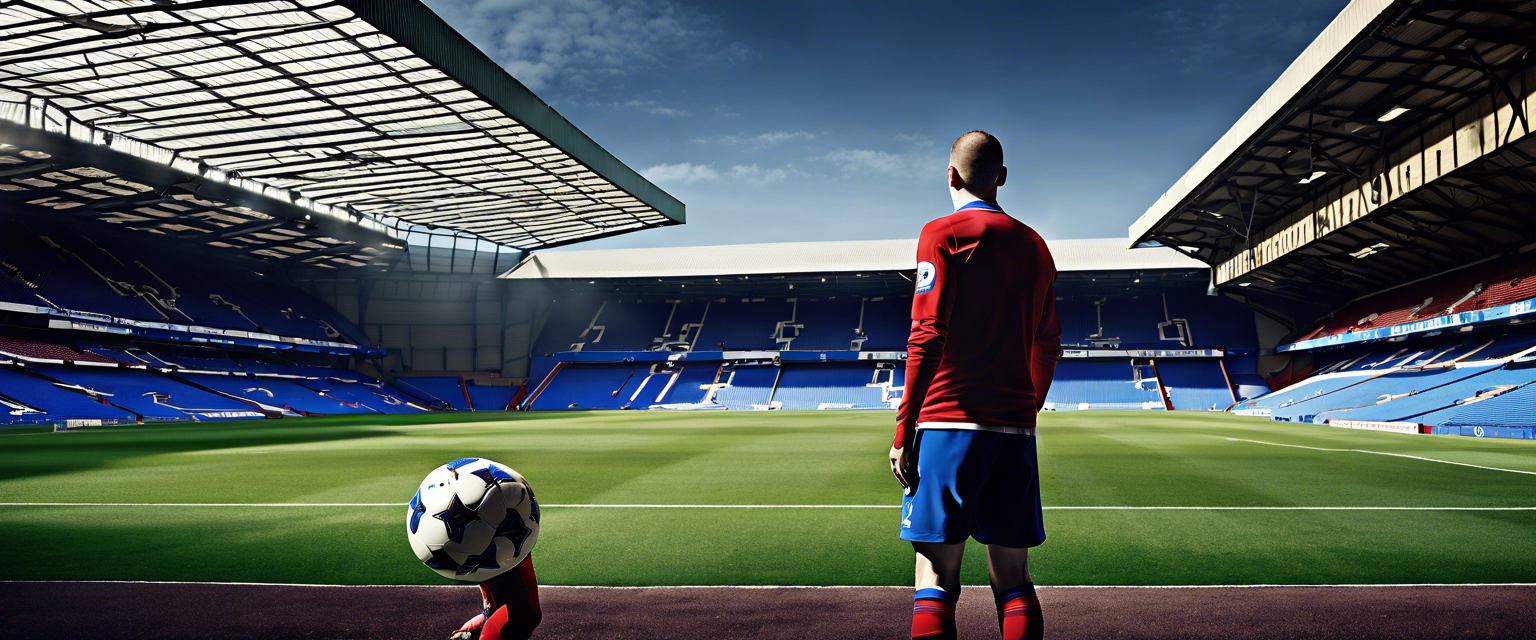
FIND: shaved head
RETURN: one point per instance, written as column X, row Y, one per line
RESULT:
column 978, row 156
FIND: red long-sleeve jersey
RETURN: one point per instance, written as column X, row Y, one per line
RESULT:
column 985, row 336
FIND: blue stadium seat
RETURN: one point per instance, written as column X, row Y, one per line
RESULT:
column 1197, row 384
column 690, row 383
column 1515, row 408
column 492, row 398
column 813, row 385
column 446, row 389
column 828, row 324
column 749, row 386
column 277, row 392
column 593, row 386
column 1099, row 384
column 151, row 395
column 742, row 326
column 58, row 404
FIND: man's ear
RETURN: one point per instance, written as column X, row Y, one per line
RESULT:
column 955, row 181
column 1002, row 176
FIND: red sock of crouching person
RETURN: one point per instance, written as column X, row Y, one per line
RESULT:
column 511, row 607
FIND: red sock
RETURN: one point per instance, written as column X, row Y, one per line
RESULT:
column 1018, row 612
column 512, row 608
column 933, row 615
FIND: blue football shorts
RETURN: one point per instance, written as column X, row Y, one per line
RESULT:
column 979, row 484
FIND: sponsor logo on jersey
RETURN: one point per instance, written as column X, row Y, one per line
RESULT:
column 925, row 277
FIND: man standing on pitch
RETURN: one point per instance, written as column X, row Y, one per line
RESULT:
column 984, row 346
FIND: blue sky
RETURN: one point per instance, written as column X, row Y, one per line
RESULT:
column 788, row 121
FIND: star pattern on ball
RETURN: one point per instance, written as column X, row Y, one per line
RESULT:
column 456, row 518
column 484, row 560
column 535, row 513
column 514, row 530
column 441, row 560
column 493, row 474
column 417, row 510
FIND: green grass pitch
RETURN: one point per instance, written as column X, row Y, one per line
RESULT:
column 1088, row 459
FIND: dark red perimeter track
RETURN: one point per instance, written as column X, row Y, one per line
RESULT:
column 142, row 610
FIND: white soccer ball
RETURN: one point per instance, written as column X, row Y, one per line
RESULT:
column 472, row 519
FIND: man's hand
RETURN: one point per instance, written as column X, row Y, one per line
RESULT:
column 900, row 466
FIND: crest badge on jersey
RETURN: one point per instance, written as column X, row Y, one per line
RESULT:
column 925, row 276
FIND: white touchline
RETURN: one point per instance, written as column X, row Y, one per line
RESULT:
column 739, row 506
column 1382, row 453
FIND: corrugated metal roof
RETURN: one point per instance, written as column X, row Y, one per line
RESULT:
column 1336, row 39
column 1099, row 254
column 369, row 111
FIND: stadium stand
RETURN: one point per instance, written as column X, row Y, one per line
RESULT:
column 742, row 324
column 45, row 351
column 31, row 399
column 826, row 325
column 1515, row 408
column 1198, row 384
column 151, row 396
column 827, row 331
column 446, row 389
column 1100, row 384
column 748, row 387
column 1426, row 382
column 50, row 266
column 186, row 260
column 592, row 386
column 1246, row 382
column 278, row 392
column 691, row 385
column 1481, row 286
column 489, row 398
column 1383, row 238
column 830, row 386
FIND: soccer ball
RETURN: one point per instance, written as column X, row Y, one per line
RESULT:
column 472, row 519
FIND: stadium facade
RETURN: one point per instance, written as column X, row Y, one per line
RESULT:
column 224, row 210
column 823, row 325
column 1376, row 203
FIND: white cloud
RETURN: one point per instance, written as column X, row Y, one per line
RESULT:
column 681, row 173
column 652, row 107
column 899, row 165
column 754, row 173
column 760, row 140
column 570, row 43
column 689, row 173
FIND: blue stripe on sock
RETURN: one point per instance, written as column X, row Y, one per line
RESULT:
column 1026, row 589
column 935, row 594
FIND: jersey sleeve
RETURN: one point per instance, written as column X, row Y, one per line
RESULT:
column 931, row 304
column 1046, row 351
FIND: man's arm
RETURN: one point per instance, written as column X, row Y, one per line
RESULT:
column 1047, row 349
column 930, row 325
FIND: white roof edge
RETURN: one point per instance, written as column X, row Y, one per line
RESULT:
column 1341, row 34
column 1098, row 254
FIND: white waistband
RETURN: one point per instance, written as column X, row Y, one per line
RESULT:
column 971, row 426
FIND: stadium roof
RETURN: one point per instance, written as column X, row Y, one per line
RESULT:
column 1105, row 254
column 372, row 113
column 1396, row 146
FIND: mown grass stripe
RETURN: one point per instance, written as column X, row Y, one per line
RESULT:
column 1383, row 453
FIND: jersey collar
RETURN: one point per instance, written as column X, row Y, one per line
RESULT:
column 982, row 205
